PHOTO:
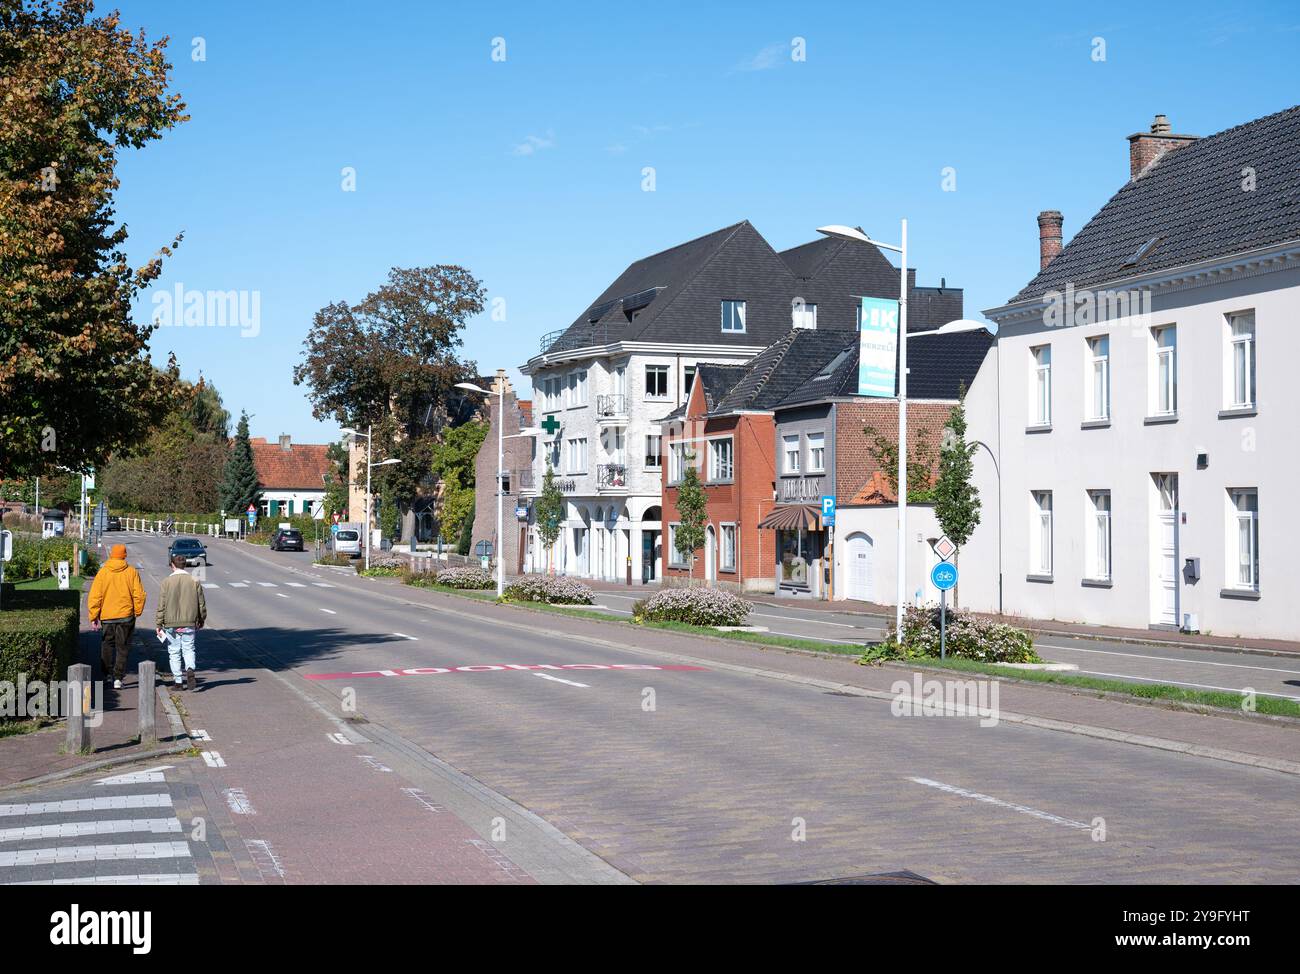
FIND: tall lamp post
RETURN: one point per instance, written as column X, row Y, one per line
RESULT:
column 997, row 469
column 369, row 466
column 856, row 235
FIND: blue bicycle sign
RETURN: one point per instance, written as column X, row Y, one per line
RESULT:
column 944, row 576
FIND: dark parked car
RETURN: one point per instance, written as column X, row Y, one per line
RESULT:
column 191, row 548
column 287, row 539
column 114, row 523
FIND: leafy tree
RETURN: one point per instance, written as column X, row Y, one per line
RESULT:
column 956, row 501
column 336, row 486
column 239, row 486
column 453, row 465
column 548, row 511
column 692, row 513
column 466, row 530
column 76, row 384
column 920, row 462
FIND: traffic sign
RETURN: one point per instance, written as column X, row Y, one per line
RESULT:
column 944, row 576
column 828, row 510
column 945, row 549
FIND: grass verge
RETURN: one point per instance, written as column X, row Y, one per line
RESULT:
column 47, row 583
column 15, row 728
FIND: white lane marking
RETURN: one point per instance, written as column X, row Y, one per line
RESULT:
column 556, row 679
column 330, row 611
column 405, row 636
column 295, row 584
column 339, row 738
column 821, row 639
column 107, row 826
column 142, row 879
column 95, row 853
column 322, row 584
column 1165, row 659
column 238, row 801
column 87, row 805
column 1179, row 683
column 281, row 595
column 200, row 735
column 213, row 759
column 989, row 799
column 239, row 585
column 145, row 776
column 374, row 762
column 211, row 585
column 267, row 584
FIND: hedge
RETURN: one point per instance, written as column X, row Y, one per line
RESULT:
column 694, row 606
column 33, row 557
column 38, row 634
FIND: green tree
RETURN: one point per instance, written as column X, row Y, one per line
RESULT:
column 76, row 383
column 466, row 538
column 692, row 513
column 336, row 486
column 453, row 465
column 239, row 486
column 548, row 512
column 920, row 462
column 956, row 501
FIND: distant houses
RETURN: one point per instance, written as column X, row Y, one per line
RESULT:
column 291, row 475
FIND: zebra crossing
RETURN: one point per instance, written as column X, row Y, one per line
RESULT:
column 246, row 583
column 119, row 829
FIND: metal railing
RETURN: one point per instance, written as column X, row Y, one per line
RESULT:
column 575, row 336
column 611, row 475
column 614, row 404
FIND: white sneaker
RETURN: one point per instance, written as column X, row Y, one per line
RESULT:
column 117, row 684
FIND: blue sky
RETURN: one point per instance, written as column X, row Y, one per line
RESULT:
column 528, row 171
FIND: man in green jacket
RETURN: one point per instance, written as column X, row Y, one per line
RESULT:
column 182, row 611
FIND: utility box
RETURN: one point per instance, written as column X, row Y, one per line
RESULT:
column 1191, row 570
column 1191, row 622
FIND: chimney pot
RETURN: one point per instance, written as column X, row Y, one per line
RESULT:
column 1049, row 236
column 1144, row 148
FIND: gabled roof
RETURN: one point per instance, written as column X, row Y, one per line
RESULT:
column 300, row 466
column 1192, row 203
column 781, row 368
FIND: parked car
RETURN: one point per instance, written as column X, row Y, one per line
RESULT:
column 286, row 539
column 191, row 548
column 114, row 523
column 347, row 541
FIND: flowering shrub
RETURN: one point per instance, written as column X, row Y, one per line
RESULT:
column 384, row 566
column 968, row 637
column 552, row 589
column 465, row 576
column 695, row 606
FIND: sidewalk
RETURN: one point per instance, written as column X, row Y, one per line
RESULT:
column 42, row 753
column 1045, row 627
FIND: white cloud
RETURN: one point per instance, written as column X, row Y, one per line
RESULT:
column 769, row 57
column 533, row 144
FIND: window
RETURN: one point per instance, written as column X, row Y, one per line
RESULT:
column 1040, row 533
column 790, row 453
column 551, row 392
column 1097, row 535
column 816, row 452
column 804, row 315
column 688, row 380
column 1041, row 413
column 733, row 316
column 619, row 383
column 1099, row 377
column 1165, row 371
column 653, row 448
column 1241, row 347
column 577, row 389
column 727, row 541
column 675, row 557
column 720, row 459
column 656, row 382
column 576, row 455
column 677, row 454
column 1243, row 550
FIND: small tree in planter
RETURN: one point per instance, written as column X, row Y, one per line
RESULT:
column 692, row 513
column 548, row 510
column 956, row 501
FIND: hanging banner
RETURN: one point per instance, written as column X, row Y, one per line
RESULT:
column 878, row 348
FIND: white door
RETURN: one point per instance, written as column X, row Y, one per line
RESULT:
column 858, row 552
column 1164, row 550
column 710, row 555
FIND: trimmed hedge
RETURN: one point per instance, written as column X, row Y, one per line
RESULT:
column 694, row 606
column 38, row 634
column 552, row 589
column 33, row 557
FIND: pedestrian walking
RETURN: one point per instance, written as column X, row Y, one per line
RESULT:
column 182, row 611
column 116, row 600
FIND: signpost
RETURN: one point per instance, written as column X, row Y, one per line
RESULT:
column 828, row 511
column 943, row 576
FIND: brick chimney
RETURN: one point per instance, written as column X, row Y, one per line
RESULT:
column 284, row 443
column 1049, row 237
column 1144, row 148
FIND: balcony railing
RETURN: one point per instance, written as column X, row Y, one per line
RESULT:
column 611, row 405
column 611, row 475
column 800, row 490
column 575, row 336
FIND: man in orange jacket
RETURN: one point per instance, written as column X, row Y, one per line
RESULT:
column 116, row 599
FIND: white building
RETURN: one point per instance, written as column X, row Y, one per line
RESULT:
column 1140, row 402
column 291, row 476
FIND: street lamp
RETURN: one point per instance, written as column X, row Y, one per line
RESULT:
column 997, row 469
column 382, row 463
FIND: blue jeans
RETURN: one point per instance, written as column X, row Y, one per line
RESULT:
column 180, row 642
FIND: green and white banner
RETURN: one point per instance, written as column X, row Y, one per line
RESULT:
column 878, row 348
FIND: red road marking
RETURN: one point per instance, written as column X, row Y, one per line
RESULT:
column 495, row 667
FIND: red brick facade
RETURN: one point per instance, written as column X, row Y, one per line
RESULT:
column 854, row 465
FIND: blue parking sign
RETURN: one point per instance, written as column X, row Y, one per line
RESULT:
column 944, row 576
column 828, row 511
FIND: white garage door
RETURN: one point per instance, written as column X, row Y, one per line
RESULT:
column 858, row 552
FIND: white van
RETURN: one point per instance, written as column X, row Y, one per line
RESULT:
column 347, row 540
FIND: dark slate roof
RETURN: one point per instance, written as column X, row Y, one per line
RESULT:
column 933, row 307
column 806, row 259
column 779, row 370
column 1192, row 200
column 937, row 367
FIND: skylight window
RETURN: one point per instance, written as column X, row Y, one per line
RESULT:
column 834, row 364
column 1142, row 252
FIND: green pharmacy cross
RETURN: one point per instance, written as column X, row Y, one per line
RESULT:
column 551, row 425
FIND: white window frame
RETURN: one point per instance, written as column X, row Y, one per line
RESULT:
column 575, row 459
column 677, row 461
column 675, row 558
column 720, row 472
column 1040, row 385
column 816, row 451
column 786, row 454
column 738, row 306
column 804, row 315
column 1041, row 533
column 656, row 370
column 654, row 459
column 689, row 372
column 1241, row 392
column 1164, row 371
column 1243, row 538
column 1098, row 378
column 725, row 528
column 1098, row 535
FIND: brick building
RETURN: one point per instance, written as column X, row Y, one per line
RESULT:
column 291, row 475
column 517, row 469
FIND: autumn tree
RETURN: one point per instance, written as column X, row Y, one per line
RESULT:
column 76, row 384
column 392, row 361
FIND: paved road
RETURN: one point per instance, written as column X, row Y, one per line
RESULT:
column 714, row 775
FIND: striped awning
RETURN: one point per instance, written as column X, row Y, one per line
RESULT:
column 789, row 517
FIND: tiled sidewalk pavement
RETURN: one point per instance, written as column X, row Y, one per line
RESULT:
column 143, row 825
